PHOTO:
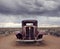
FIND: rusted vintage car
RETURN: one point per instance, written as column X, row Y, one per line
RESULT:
column 29, row 32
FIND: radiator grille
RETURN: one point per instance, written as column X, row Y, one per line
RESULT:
column 30, row 33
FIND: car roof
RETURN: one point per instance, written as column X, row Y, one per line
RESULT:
column 29, row 21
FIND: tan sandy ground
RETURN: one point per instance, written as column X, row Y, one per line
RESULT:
column 49, row 42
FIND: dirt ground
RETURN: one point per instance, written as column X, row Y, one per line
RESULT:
column 49, row 42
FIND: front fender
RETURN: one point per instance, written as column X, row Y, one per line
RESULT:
column 39, row 36
column 19, row 36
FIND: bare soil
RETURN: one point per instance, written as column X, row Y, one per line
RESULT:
column 49, row 42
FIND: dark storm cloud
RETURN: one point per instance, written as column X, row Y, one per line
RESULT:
column 34, row 7
column 14, row 11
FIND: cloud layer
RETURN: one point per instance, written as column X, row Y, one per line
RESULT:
column 19, row 18
column 34, row 7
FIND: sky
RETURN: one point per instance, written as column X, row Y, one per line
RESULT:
column 45, row 11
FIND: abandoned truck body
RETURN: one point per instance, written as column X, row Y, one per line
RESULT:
column 29, row 32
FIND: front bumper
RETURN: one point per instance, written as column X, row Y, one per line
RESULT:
column 18, row 40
